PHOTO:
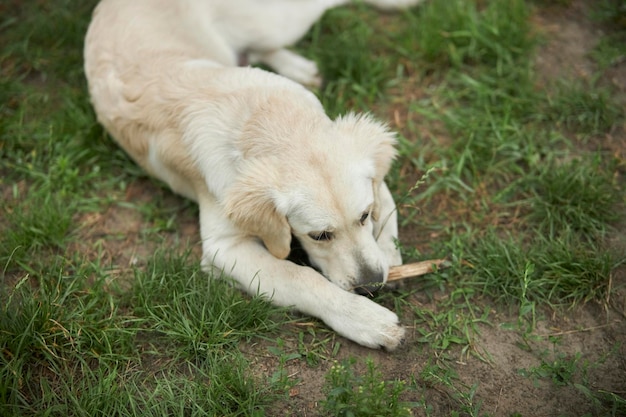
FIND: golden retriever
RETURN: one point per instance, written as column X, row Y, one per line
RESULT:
column 254, row 149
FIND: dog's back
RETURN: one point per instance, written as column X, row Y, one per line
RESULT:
column 131, row 44
column 151, row 64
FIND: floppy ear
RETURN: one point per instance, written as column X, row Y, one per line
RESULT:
column 376, row 143
column 249, row 204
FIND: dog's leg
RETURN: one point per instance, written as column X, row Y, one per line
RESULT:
column 386, row 228
column 286, row 62
column 290, row 65
column 286, row 284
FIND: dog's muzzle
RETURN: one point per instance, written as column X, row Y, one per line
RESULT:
column 370, row 281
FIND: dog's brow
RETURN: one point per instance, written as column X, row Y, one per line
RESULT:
column 367, row 209
column 327, row 229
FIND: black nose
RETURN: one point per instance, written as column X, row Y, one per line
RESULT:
column 370, row 282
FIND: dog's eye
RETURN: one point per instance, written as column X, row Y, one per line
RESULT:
column 364, row 218
column 321, row 236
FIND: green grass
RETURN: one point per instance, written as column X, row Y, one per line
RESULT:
column 343, row 45
column 74, row 342
column 515, row 179
column 34, row 230
column 172, row 296
column 457, row 32
column 366, row 394
column 582, row 109
column 556, row 271
column 580, row 195
column 443, row 377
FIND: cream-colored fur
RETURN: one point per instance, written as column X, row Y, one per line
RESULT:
column 254, row 149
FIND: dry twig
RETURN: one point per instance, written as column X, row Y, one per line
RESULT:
column 415, row 269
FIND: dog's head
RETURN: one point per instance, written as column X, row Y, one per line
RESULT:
column 324, row 190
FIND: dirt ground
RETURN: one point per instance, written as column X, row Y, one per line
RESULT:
column 596, row 332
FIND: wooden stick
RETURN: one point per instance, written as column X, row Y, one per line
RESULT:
column 414, row 269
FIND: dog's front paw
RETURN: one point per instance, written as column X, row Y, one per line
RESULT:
column 368, row 324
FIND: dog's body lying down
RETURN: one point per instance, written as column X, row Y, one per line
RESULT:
column 254, row 149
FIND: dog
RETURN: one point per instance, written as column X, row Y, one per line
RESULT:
column 254, row 149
